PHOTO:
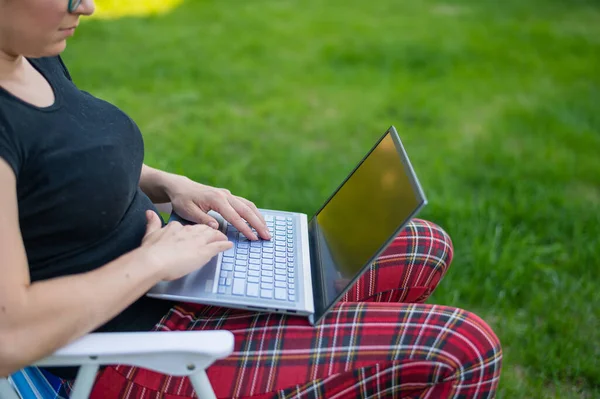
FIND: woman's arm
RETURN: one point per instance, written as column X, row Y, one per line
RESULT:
column 155, row 183
column 38, row 318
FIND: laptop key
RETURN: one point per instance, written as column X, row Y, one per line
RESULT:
column 292, row 297
column 252, row 289
column 280, row 294
column 222, row 281
column 230, row 253
column 266, row 286
column 222, row 289
column 239, row 286
column 280, row 284
column 266, row 279
column 228, row 281
column 227, row 266
column 279, row 278
column 266, row 294
column 252, row 279
column 239, row 275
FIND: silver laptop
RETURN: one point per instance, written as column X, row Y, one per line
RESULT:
column 308, row 265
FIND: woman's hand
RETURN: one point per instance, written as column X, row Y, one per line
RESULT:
column 192, row 201
column 179, row 250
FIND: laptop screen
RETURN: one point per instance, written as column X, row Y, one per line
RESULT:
column 365, row 214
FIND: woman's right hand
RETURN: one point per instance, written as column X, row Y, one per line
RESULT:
column 179, row 250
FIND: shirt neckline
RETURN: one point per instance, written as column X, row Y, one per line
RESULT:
column 46, row 75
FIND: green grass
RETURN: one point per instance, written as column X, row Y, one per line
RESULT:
column 497, row 104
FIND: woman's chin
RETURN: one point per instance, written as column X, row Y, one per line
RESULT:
column 54, row 49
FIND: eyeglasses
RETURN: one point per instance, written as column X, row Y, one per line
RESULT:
column 73, row 4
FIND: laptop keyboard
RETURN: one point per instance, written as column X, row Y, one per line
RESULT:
column 261, row 269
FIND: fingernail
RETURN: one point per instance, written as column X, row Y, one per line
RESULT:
column 214, row 225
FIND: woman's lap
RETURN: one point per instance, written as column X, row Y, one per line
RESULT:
column 358, row 349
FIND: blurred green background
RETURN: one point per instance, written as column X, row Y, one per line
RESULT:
column 498, row 105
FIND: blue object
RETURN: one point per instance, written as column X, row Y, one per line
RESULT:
column 34, row 383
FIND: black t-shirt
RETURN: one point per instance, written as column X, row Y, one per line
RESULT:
column 78, row 164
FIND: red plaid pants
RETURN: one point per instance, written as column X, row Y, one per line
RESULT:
column 380, row 341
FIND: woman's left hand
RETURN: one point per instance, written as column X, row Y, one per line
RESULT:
column 192, row 201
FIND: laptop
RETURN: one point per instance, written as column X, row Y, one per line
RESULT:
column 308, row 265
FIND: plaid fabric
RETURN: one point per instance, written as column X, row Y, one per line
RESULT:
column 371, row 344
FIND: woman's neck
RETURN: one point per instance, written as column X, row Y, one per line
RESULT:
column 9, row 64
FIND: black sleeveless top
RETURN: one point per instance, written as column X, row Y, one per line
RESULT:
column 78, row 165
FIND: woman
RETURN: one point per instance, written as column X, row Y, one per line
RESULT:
column 82, row 242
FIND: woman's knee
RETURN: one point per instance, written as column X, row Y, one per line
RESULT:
column 477, row 354
column 424, row 252
column 430, row 242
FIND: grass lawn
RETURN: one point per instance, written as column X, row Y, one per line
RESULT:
column 497, row 103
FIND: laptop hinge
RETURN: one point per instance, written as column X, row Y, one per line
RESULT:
column 316, row 269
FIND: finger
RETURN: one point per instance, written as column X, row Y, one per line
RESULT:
column 263, row 229
column 214, row 248
column 153, row 222
column 211, row 235
column 251, row 205
column 233, row 217
column 193, row 213
column 250, row 216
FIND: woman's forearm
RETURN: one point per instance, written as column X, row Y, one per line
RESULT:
column 49, row 314
column 155, row 183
